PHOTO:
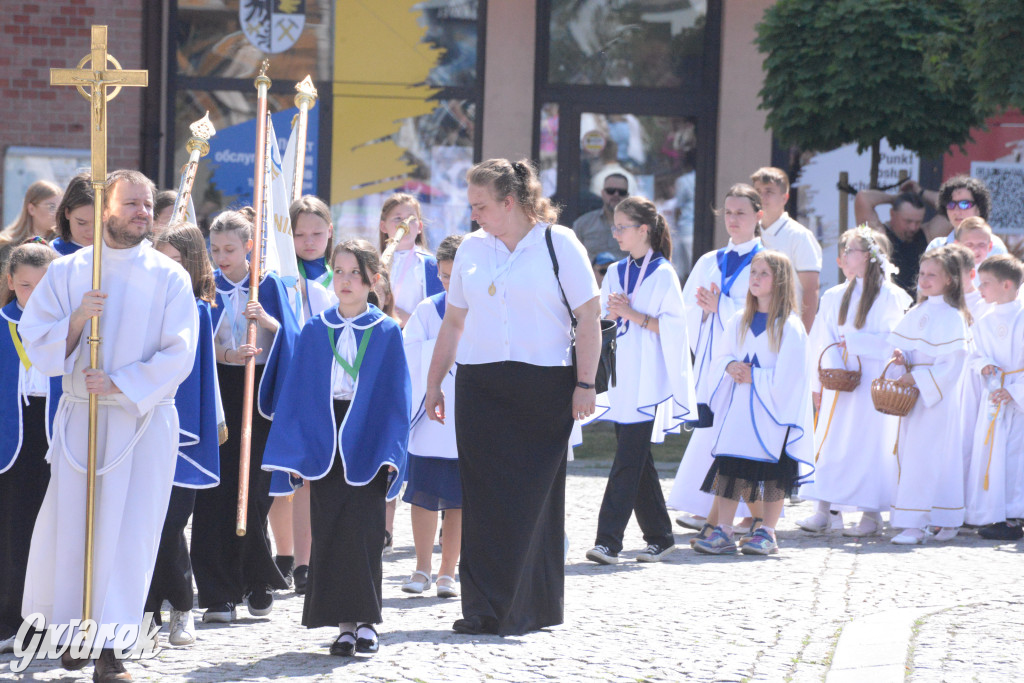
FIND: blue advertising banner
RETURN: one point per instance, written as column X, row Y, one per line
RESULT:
column 233, row 156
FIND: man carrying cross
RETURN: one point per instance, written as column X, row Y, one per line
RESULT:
column 148, row 324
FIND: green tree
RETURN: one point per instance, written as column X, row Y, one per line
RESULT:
column 857, row 71
column 994, row 53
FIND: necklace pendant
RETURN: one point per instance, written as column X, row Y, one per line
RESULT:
column 492, row 289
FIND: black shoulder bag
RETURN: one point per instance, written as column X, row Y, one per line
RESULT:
column 606, row 364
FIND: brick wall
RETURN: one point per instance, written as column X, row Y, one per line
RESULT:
column 39, row 35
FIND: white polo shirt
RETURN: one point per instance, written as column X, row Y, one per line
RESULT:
column 795, row 241
column 525, row 319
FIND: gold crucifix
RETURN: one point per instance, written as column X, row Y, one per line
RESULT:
column 97, row 78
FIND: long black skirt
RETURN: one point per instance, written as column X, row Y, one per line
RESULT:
column 513, row 422
column 347, row 524
column 22, row 489
column 172, row 575
column 227, row 566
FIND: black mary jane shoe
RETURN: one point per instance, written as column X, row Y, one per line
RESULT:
column 367, row 645
column 344, row 648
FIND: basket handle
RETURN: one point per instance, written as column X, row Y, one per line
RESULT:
column 891, row 361
column 822, row 355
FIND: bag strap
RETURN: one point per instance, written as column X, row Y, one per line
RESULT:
column 554, row 265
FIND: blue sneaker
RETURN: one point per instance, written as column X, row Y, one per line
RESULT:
column 760, row 543
column 717, row 543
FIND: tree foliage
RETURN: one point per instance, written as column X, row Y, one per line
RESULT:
column 857, row 71
column 995, row 53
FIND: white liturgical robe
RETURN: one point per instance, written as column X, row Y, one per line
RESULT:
column 148, row 331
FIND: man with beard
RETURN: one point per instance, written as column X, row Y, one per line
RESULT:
column 148, row 326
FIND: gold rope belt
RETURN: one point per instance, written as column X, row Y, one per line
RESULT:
column 990, row 434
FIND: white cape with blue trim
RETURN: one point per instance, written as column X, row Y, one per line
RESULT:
column 654, row 376
column 757, row 421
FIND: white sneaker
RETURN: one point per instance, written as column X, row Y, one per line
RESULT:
column 836, row 521
column 7, row 644
column 182, row 629
column 817, row 522
column 688, row 521
column 909, row 537
column 946, row 533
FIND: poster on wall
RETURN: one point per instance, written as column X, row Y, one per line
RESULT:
column 818, row 197
column 25, row 165
column 1006, row 182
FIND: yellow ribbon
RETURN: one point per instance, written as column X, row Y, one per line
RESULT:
column 990, row 434
column 18, row 346
column 828, row 425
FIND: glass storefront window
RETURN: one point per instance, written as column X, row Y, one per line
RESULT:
column 549, row 148
column 439, row 147
column 657, row 155
column 211, row 42
column 453, row 25
column 629, row 43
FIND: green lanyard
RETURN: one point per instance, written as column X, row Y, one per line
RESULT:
column 330, row 273
column 352, row 370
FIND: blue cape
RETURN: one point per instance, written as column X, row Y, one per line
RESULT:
column 274, row 298
column 196, row 400
column 430, row 275
column 375, row 433
column 10, row 407
column 64, row 248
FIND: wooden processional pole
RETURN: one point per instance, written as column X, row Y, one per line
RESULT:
column 97, row 78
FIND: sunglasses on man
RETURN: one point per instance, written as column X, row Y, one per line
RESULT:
column 621, row 191
column 963, row 205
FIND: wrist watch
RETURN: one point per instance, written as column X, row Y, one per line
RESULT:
column 584, row 385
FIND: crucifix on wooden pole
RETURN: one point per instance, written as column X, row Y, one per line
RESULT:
column 97, row 78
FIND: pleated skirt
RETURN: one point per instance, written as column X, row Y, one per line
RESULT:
column 347, row 523
column 513, row 422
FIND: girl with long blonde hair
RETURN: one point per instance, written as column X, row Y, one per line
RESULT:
column 762, row 405
column 852, row 441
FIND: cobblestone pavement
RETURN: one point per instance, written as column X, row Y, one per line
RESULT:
column 691, row 617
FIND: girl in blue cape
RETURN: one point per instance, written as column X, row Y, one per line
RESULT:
column 26, row 413
column 312, row 234
column 343, row 425
column 762, row 435
column 75, row 216
column 227, row 567
column 201, row 420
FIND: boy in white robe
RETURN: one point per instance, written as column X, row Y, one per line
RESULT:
column 995, row 476
column 148, row 326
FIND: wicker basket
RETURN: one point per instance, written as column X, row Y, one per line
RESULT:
column 838, row 379
column 892, row 398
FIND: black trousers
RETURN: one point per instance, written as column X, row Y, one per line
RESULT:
column 228, row 566
column 22, row 489
column 347, row 523
column 513, row 422
column 633, row 488
column 172, row 575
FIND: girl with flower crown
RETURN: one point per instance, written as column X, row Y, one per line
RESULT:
column 852, row 441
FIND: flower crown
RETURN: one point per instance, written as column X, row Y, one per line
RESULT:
column 877, row 255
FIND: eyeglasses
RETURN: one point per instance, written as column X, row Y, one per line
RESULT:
column 621, row 191
column 616, row 229
column 851, row 250
column 963, row 205
column 51, row 207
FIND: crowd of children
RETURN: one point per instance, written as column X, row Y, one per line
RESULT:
column 727, row 356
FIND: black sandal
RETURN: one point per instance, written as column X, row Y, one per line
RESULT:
column 344, row 648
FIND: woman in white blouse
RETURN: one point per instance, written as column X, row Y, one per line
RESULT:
column 508, row 327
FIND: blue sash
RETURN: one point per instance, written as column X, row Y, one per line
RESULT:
column 723, row 257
